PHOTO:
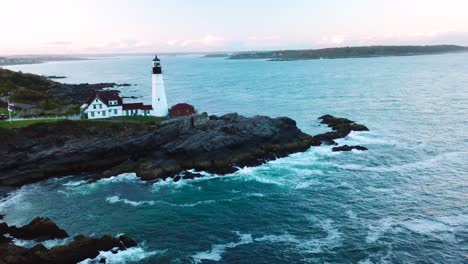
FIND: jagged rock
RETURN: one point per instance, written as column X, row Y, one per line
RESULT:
column 348, row 148
column 103, row 149
column 79, row 249
column 38, row 229
column 127, row 242
column 219, row 145
column 341, row 128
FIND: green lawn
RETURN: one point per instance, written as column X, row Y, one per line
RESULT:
column 138, row 119
column 3, row 111
column 25, row 123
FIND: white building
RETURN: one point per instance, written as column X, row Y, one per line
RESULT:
column 110, row 104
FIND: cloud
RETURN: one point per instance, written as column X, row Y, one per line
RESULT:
column 208, row 41
column 333, row 40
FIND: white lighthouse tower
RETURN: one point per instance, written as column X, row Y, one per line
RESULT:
column 159, row 102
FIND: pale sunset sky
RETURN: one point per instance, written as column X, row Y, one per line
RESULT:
column 123, row 26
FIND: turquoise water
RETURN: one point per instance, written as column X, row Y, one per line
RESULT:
column 403, row 201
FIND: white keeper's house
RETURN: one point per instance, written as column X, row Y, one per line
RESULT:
column 110, row 104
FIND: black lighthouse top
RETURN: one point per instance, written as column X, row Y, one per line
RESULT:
column 157, row 65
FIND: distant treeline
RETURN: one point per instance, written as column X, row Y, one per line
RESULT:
column 16, row 60
column 349, row 52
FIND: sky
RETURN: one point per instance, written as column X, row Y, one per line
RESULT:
column 130, row 26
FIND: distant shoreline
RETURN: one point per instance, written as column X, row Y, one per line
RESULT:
column 348, row 52
column 23, row 60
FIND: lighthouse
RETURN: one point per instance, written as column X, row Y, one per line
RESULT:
column 159, row 102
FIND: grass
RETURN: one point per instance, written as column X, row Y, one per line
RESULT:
column 124, row 119
column 3, row 111
column 138, row 119
column 24, row 123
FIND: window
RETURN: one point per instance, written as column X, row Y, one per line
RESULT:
column 92, row 114
column 100, row 106
column 94, row 106
column 103, row 113
column 115, row 111
column 97, row 100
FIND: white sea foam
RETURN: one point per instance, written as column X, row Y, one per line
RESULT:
column 125, row 177
column 216, row 251
column 75, row 183
column 305, row 184
column 85, row 188
column 134, row 255
column 377, row 229
column 366, row 138
column 168, row 183
column 117, row 199
column 424, row 226
column 455, row 220
column 352, row 215
column 309, row 245
column 48, row 243
column 18, row 197
column 418, row 165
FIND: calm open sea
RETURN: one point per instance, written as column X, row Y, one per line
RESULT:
column 403, row 201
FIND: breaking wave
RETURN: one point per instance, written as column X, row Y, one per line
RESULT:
column 116, row 199
column 216, row 251
column 132, row 255
column 85, row 187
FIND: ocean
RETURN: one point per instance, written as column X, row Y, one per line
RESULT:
column 403, row 201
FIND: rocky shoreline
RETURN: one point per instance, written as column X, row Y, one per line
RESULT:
column 104, row 149
column 42, row 229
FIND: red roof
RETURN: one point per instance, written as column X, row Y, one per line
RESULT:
column 135, row 106
column 182, row 109
column 105, row 97
column 183, row 106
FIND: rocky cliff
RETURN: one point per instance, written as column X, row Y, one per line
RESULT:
column 103, row 149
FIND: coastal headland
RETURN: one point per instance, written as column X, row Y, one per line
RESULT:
column 347, row 52
column 154, row 151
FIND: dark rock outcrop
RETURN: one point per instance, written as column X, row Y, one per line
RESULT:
column 107, row 148
column 81, row 248
column 39, row 229
column 103, row 149
column 341, row 128
column 348, row 148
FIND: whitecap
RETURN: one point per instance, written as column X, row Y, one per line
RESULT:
column 454, row 220
column 352, row 215
column 304, row 185
column 75, row 183
column 365, row 138
column 134, row 254
column 379, row 228
column 217, row 250
column 18, row 197
column 125, row 177
column 424, row 226
column 117, row 199
column 418, row 165
column 309, row 245
column 88, row 187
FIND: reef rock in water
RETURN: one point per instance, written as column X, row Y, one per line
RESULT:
column 40, row 229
